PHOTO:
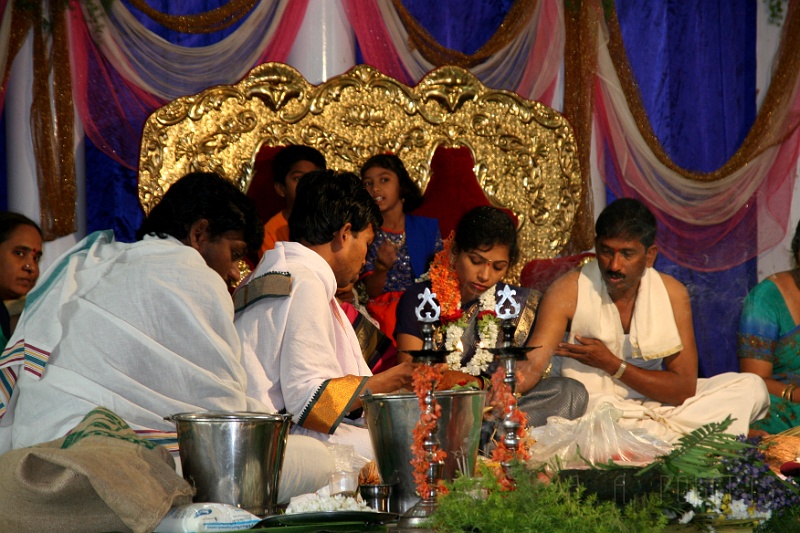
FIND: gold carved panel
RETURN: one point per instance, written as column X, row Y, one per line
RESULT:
column 524, row 152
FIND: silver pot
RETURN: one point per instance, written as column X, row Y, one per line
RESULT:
column 391, row 419
column 233, row 457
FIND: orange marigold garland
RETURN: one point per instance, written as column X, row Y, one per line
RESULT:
column 423, row 380
column 444, row 282
column 504, row 402
column 447, row 288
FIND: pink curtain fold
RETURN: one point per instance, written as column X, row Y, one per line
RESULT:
column 374, row 39
column 113, row 109
column 709, row 220
column 542, row 60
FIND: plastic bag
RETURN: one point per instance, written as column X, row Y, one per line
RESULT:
column 345, row 457
column 597, row 438
column 200, row 517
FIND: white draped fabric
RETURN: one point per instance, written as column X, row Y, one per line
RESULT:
column 168, row 70
column 513, row 68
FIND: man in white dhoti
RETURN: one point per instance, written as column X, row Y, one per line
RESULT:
column 143, row 329
column 631, row 339
column 309, row 360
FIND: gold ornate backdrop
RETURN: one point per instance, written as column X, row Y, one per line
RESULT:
column 524, row 152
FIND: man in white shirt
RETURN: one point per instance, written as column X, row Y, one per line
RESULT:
column 309, row 361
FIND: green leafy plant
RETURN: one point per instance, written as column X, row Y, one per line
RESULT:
column 478, row 505
column 699, row 453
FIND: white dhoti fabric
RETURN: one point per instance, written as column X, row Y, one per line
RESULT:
column 143, row 329
column 300, row 351
column 653, row 336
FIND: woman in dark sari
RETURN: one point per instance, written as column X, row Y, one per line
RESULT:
column 466, row 278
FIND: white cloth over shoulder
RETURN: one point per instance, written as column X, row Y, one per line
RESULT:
column 653, row 336
column 653, row 332
column 145, row 330
column 297, row 347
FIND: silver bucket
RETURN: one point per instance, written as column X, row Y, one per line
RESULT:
column 391, row 419
column 234, row 458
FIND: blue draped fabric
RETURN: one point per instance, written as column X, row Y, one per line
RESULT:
column 695, row 64
column 463, row 25
column 112, row 200
column 112, row 197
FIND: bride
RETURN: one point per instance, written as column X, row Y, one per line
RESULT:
column 466, row 278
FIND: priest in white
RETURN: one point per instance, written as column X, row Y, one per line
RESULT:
column 144, row 329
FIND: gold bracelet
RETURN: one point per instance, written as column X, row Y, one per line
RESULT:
column 620, row 370
column 788, row 391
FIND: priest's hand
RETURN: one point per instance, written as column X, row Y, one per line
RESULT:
column 393, row 379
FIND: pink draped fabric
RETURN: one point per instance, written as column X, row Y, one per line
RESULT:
column 380, row 52
column 709, row 229
column 113, row 109
column 376, row 44
column 540, row 59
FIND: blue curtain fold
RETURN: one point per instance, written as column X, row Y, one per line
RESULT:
column 695, row 65
column 112, row 200
column 112, row 197
column 462, row 25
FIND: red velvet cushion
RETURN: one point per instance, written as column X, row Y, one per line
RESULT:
column 262, row 190
column 540, row 273
column 453, row 189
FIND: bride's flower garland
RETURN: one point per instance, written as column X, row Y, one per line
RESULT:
column 445, row 284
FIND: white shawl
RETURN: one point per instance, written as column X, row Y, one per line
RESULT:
column 293, row 344
column 653, row 331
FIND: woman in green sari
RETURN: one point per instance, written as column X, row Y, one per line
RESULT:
column 769, row 342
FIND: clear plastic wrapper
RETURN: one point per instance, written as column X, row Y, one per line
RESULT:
column 595, row 438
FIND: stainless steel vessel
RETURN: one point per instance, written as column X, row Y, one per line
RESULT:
column 233, row 457
column 391, row 419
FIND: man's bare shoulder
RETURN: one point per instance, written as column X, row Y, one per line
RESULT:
column 565, row 284
column 676, row 290
column 562, row 294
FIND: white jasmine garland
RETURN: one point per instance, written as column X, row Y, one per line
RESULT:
column 487, row 338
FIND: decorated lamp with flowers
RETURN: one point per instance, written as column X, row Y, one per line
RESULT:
column 428, row 460
column 504, row 383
